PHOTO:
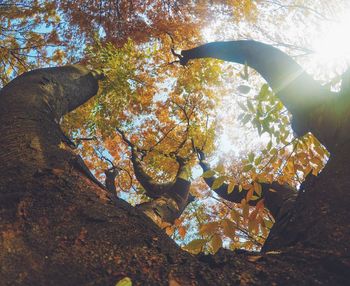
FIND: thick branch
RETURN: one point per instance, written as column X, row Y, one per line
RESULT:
column 283, row 74
column 61, row 89
column 35, row 102
column 153, row 190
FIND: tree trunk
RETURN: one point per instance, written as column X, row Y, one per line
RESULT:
column 59, row 227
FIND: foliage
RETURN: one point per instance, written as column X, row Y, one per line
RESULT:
column 160, row 104
column 28, row 37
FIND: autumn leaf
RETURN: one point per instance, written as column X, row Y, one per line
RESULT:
column 218, row 182
column 257, row 188
column 209, row 228
column 124, row 282
column 169, row 231
column 216, row 243
column 254, row 258
column 195, row 246
column 182, row 231
column 235, row 215
column 247, row 168
column 229, row 228
column 230, row 187
column 208, row 174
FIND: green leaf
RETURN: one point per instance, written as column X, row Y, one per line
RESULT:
column 241, row 105
column 243, row 89
column 251, row 156
column 208, row 174
column 246, row 119
column 124, row 282
column 269, row 145
column 247, row 168
column 258, row 160
column 264, row 91
column 218, row 182
column 250, row 106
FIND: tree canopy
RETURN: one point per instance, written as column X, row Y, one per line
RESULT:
column 158, row 115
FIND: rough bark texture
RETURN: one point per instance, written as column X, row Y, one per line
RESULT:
column 59, row 227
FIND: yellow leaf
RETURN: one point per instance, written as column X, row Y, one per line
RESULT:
column 218, row 183
column 229, row 228
column 252, row 225
column 208, row 174
column 245, row 211
column 230, row 187
column 234, row 215
column 216, row 243
column 195, row 246
column 220, row 168
column 124, row 282
column 257, row 189
column 164, row 225
column 268, row 223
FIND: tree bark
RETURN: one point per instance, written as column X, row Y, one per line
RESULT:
column 59, row 227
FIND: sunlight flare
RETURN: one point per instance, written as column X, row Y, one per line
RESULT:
column 332, row 43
